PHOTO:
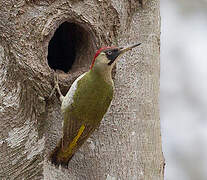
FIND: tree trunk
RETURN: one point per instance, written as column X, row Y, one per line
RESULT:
column 128, row 143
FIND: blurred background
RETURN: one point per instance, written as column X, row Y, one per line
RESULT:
column 183, row 97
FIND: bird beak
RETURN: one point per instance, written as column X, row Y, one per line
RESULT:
column 120, row 51
column 125, row 49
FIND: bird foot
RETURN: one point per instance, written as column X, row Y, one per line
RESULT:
column 56, row 80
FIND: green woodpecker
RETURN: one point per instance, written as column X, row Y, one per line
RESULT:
column 86, row 103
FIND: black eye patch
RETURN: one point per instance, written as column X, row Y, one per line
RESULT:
column 112, row 54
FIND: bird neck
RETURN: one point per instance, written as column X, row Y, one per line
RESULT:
column 104, row 73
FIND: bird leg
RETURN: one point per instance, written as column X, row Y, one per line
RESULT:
column 56, row 79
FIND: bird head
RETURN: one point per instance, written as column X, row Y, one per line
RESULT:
column 106, row 57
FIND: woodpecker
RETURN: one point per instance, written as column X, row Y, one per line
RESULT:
column 86, row 103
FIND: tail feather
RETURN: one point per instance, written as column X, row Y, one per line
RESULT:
column 66, row 147
column 57, row 158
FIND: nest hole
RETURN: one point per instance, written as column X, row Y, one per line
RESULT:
column 70, row 48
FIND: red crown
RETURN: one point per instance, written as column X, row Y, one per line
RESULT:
column 97, row 53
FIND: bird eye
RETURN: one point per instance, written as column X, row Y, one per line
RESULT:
column 109, row 52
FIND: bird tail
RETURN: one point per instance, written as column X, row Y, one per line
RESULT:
column 58, row 156
column 63, row 152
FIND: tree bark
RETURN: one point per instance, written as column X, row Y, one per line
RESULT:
column 128, row 143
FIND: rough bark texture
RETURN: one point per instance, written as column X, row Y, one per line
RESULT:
column 128, row 143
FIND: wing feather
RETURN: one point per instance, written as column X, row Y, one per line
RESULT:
column 72, row 131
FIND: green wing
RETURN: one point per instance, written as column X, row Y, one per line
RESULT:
column 75, row 133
